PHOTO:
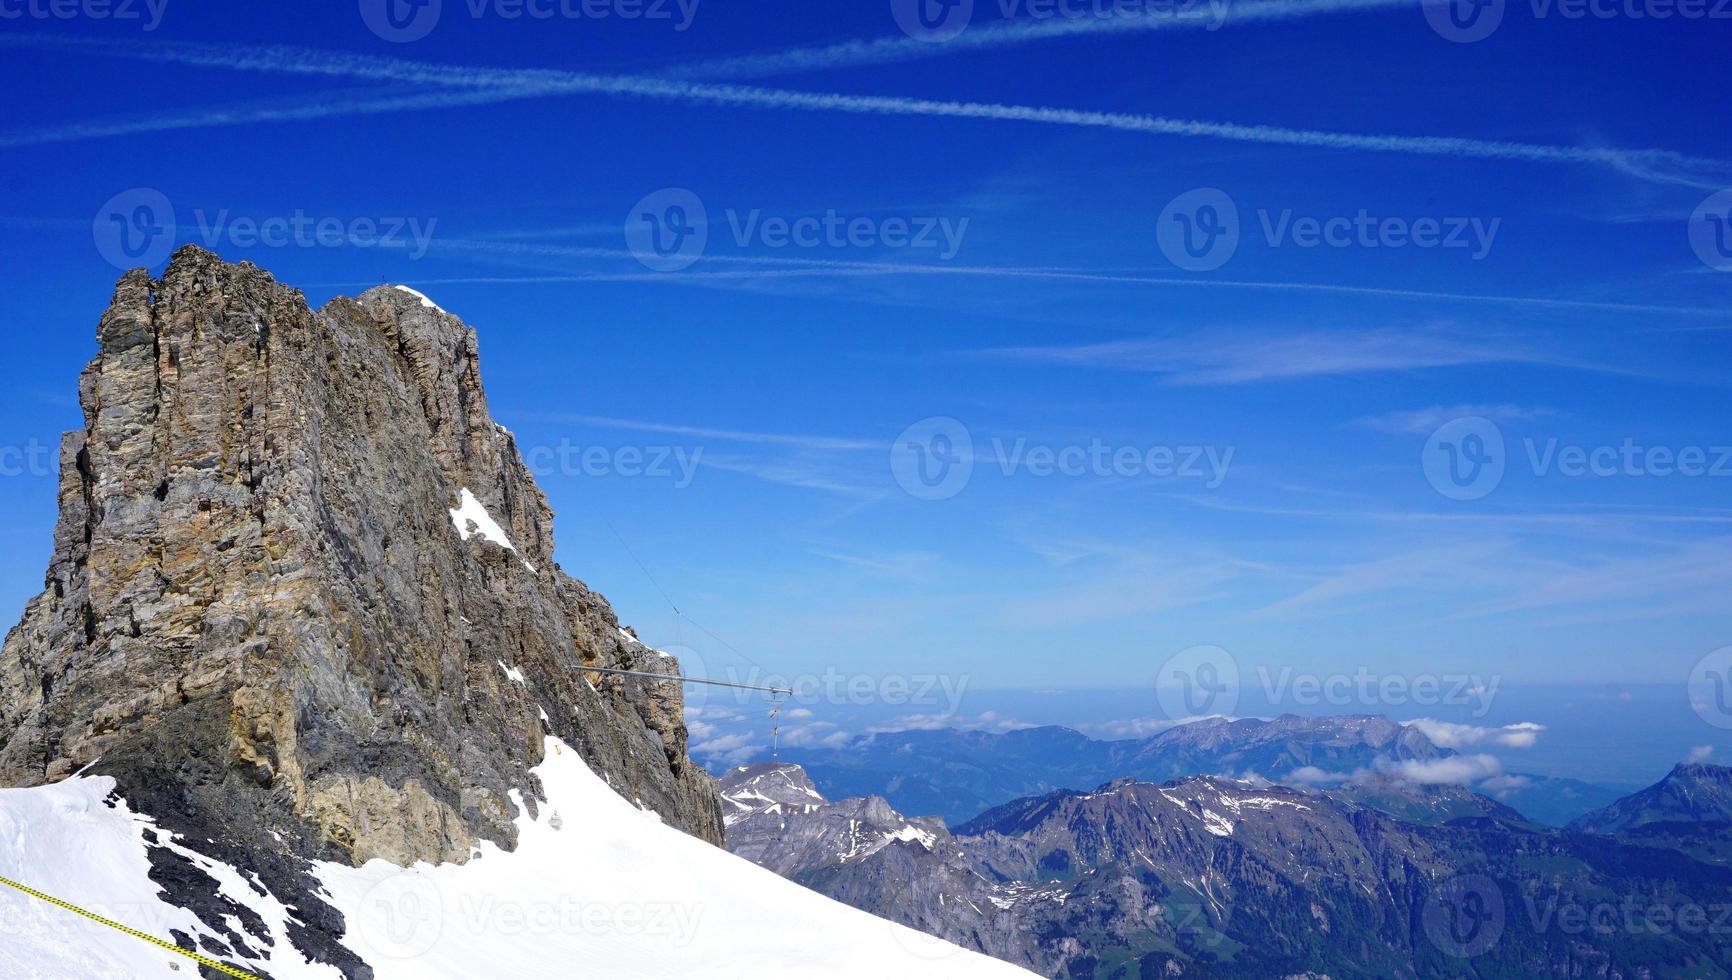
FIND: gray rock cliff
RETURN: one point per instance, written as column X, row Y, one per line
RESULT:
column 271, row 611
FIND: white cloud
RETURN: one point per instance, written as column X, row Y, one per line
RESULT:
column 1450, row 735
column 1313, row 776
column 1701, row 753
column 1458, row 770
column 1502, row 786
column 730, row 750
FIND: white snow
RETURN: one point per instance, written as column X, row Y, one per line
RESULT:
column 913, row 834
column 605, row 889
column 63, row 840
column 512, row 673
column 624, row 896
column 422, row 297
column 1216, row 824
column 473, row 520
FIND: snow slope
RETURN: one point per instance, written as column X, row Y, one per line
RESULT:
column 596, row 887
column 66, row 841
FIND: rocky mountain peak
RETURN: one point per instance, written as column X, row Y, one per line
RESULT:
column 302, row 598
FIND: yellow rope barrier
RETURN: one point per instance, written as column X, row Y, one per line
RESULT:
column 189, row 954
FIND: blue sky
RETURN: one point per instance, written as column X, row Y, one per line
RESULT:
column 1008, row 202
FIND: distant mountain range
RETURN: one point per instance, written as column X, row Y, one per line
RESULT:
column 958, row 774
column 1693, row 793
column 1207, row 876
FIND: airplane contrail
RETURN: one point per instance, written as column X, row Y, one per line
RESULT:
column 1208, row 16
column 473, row 85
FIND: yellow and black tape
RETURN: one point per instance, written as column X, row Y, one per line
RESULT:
column 110, row 923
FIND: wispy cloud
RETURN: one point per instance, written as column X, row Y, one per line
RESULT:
column 890, row 49
column 1420, row 421
column 808, row 474
column 986, row 721
column 796, row 441
column 474, row 85
column 1138, row 728
column 1224, row 358
column 1482, row 577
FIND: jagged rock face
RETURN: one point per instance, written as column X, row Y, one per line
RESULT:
column 261, row 615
